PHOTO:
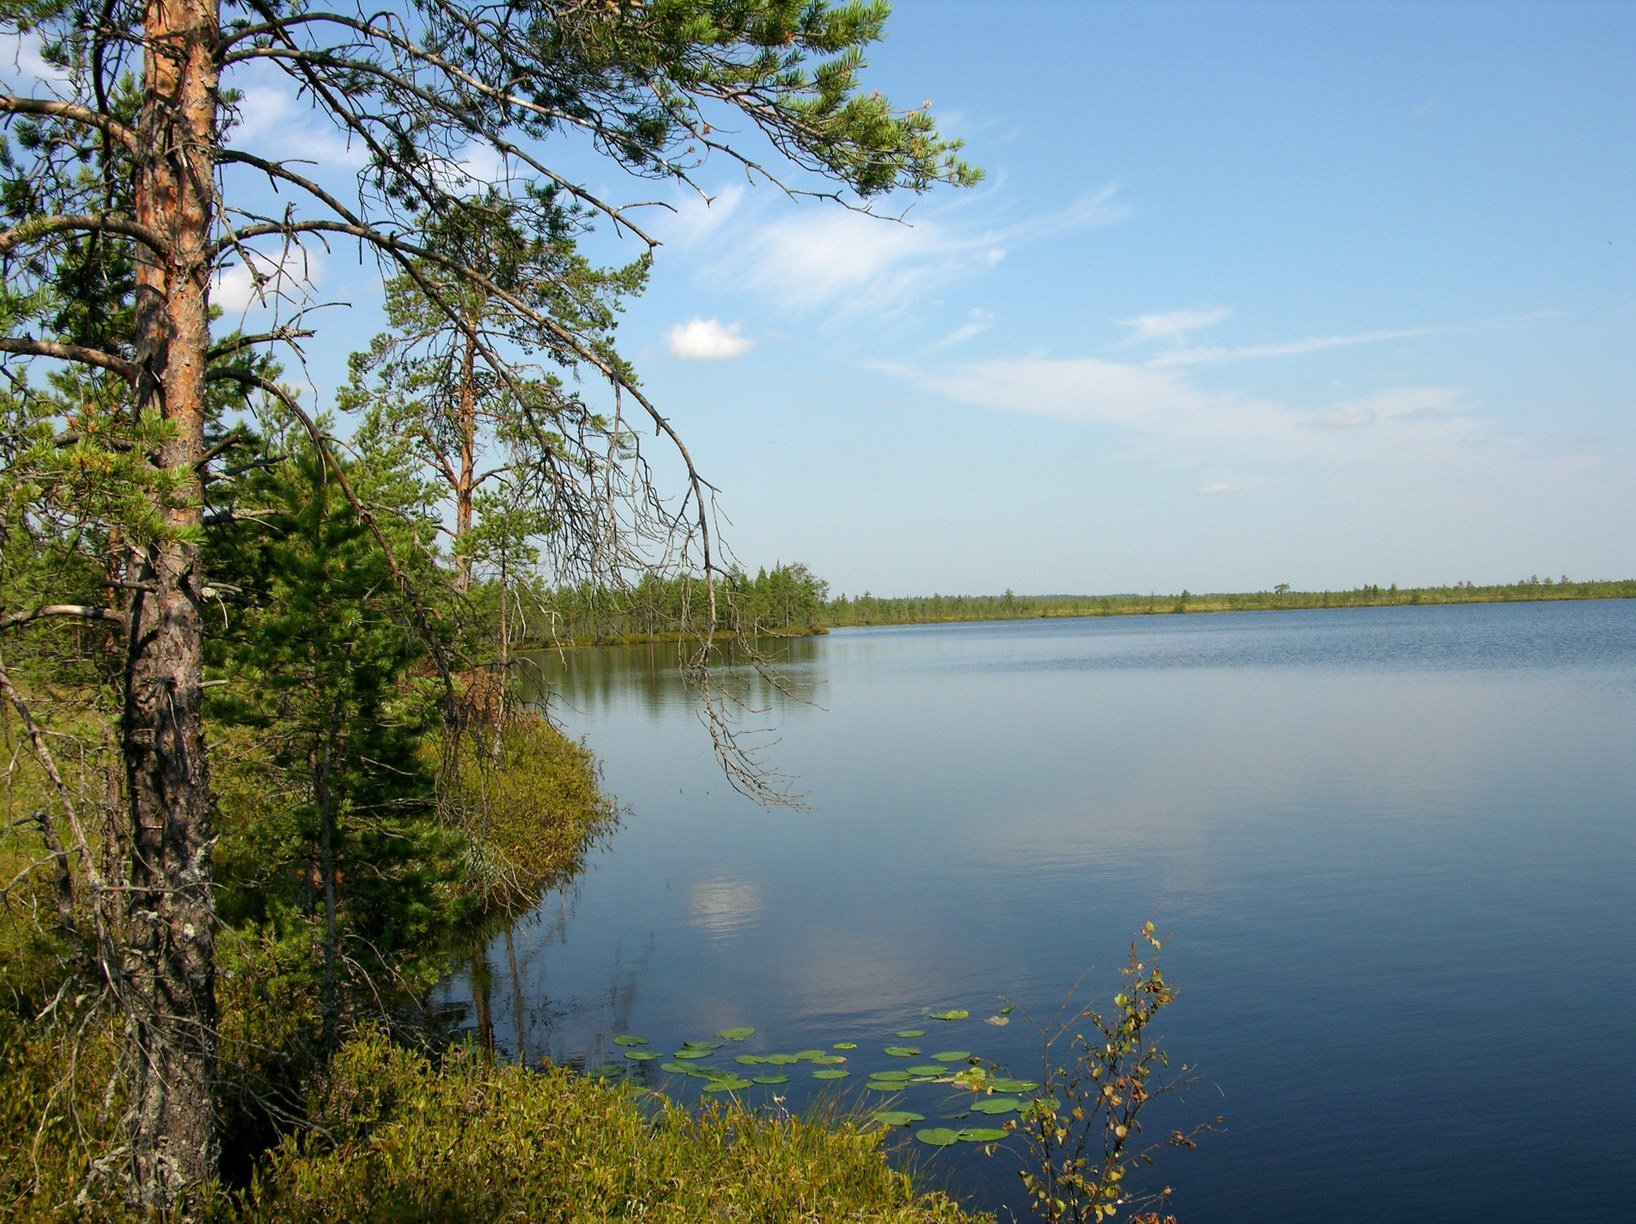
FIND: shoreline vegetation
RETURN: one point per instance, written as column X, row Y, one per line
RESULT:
column 790, row 601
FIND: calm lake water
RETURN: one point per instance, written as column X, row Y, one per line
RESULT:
column 1392, row 850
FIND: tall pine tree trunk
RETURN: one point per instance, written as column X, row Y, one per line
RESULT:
column 168, row 977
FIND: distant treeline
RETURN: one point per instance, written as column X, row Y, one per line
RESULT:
column 867, row 609
column 784, row 599
column 790, row 599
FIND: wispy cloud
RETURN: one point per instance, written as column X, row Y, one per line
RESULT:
column 695, row 217
column 809, row 259
column 979, row 321
column 22, row 65
column 260, row 280
column 279, row 126
column 1221, row 488
column 1287, row 348
column 1171, row 325
column 706, row 340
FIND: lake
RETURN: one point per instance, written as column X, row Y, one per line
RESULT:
column 1392, row 852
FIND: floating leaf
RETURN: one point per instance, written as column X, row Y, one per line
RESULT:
column 903, row 1051
column 898, row 1117
column 751, row 1060
column 625, row 1039
column 875, row 1085
column 1002, row 1084
column 781, row 1060
column 830, row 1073
column 952, row 1056
column 643, row 1055
column 998, row 1021
column 827, row 1060
column 701, row 1045
column 810, row 1055
column 981, row 1134
column 734, row 1034
column 901, row 1076
column 996, row 1105
column 686, row 1052
column 846, row 1045
column 676, row 1068
column 731, row 1083
column 954, row 1013
column 910, row 1033
column 772, row 1079
column 938, row 1136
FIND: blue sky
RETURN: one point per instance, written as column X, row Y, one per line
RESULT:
column 1325, row 294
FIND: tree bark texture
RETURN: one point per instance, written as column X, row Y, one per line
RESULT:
column 168, row 977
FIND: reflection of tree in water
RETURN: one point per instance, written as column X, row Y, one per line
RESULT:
column 649, row 675
column 530, row 1024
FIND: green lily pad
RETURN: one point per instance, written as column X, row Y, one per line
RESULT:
column 734, row 1034
column 902, row 1077
column 952, row 1056
column 830, row 1073
column 643, row 1055
column 810, row 1055
column 938, row 1136
column 981, row 1134
column 731, row 1083
column 846, row 1045
column 903, row 1051
column 931, row 1071
column 625, row 1039
column 996, row 1105
column 751, row 1060
column 677, row 1068
column 910, row 1033
column 772, row 1079
column 898, row 1117
column 687, row 1052
column 1001, row 1084
column 954, row 1013
column 875, row 1085
column 827, row 1060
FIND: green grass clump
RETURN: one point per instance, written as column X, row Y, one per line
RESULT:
column 395, row 1137
column 529, row 801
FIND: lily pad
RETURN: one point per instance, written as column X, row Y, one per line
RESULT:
column 750, row 1060
column 901, row 1077
column 931, row 1071
column 996, row 1105
column 898, row 1117
column 772, row 1079
column 830, row 1073
column 686, row 1052
column 846, row 1045
column 1002, row 1084
column 903, row 1051
column 734, row 1034
column 643, row 1055
column 938, row 1136
column 625, row 1039
column 954, row 1013
column 678, row 1068
column 730, row 1083
column 952, row 1056
column 810, row 1055
column 998, row 1021
column 780, row 1060
column 910, row 1033
column 827, row 1060
column 875, row 1085
column 981, row 1134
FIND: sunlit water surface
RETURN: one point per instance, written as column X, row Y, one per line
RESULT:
column 1392, row 850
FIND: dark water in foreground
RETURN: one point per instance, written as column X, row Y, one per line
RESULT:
column 1394, row 852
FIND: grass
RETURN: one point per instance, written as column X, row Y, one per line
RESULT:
column 396, row 1137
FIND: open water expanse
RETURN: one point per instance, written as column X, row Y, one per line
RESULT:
column 1393, row 853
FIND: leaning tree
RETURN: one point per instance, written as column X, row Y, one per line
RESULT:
column 125, row 193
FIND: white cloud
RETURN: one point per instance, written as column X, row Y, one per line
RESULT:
column 1221, row 488
column 21, row 64
column 706, row 340
column 288, row 275
column 809, row 259
column 275, row 124
column 979, row 322
column 1171, row 325
column 696, row 217
column 1288, row 348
